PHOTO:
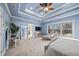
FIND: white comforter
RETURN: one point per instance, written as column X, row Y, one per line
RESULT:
column 62, row 47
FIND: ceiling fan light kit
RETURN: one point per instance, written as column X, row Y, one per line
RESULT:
column 46, row 7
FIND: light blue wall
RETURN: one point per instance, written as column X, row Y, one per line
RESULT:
column 6, row 21
column 21, row 22
column 44, row 28
column 77, row 27
column 72, row 13
column 44, row 25
column 76, row 24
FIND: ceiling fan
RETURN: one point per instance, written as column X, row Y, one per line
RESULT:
column 46, row 7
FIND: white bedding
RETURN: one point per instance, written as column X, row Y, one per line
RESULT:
column 63, row 47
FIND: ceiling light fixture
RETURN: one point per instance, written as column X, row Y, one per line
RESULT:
column 45, row 9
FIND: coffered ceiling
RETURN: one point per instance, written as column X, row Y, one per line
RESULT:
column 30, row 11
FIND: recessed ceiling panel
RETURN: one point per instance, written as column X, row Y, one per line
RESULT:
column 31, row 11
column 36, row 8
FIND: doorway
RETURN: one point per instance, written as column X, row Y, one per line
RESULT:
column 30, row 30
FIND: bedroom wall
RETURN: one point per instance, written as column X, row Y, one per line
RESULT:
column 44, row 25
column 73, row 14
column 20, row 22
column 77, row 27
column 76, row 24
column 6, row 21
column 23, row 24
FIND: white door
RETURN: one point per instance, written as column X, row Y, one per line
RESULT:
column 30, row 30
column 23, row 32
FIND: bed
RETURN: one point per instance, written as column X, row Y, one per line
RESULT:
column 49, row 36
column 63, row 47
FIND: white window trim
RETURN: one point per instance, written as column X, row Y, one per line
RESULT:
column 73, row 28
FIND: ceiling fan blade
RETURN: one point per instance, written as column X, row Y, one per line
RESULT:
column 49, row 4
column 43, row 4
column 50, row 8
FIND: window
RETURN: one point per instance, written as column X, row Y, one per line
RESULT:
column 63, row 29
column 55, row 28
column 67, row 29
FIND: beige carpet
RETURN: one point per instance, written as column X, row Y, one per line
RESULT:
column 28, row 47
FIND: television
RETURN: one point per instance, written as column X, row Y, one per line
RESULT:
column 37, row 28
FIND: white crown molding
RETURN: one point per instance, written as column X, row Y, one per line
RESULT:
column 61, row 17
column 27, row 14
column 25, row 19
column 39, row 16
column 18, row 17
column 43, row 20
column 63, row 11
column 57, row 9
column 30, row 16
column 33, row 14
column 7, row 9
